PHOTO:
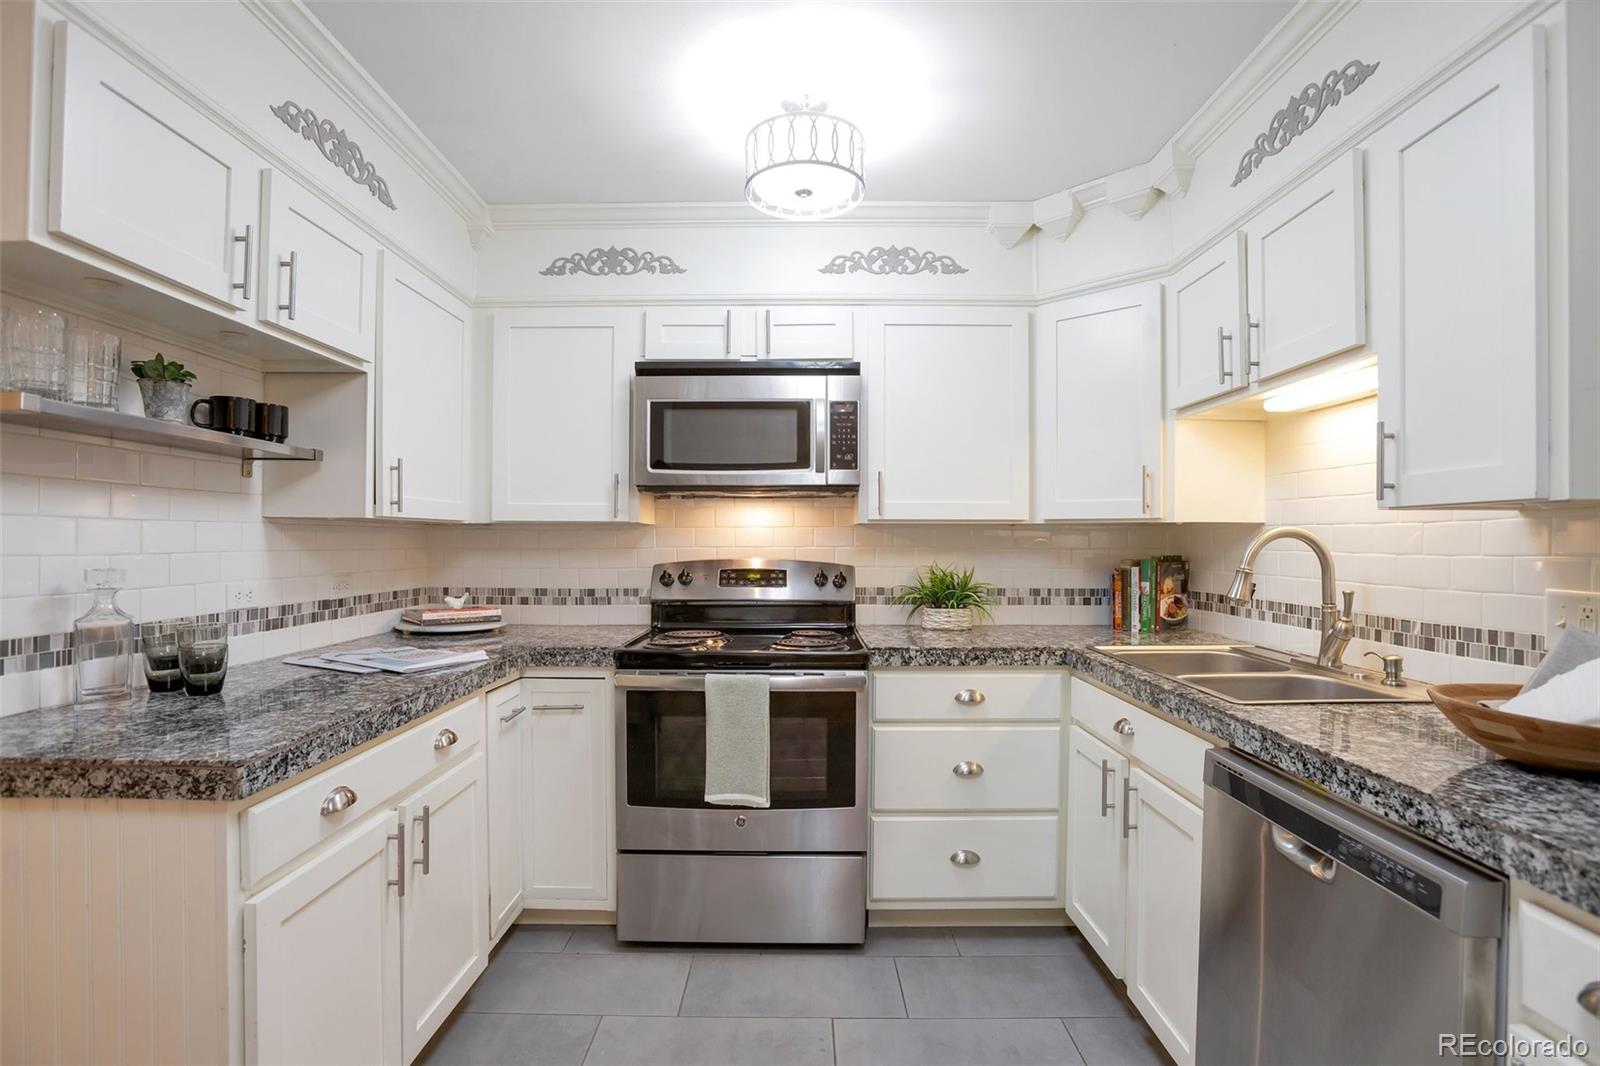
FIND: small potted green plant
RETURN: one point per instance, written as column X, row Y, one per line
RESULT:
column 948, row 598
column 165, row 388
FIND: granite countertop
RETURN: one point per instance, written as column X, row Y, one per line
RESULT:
column 1403, row 762
column 269, row 723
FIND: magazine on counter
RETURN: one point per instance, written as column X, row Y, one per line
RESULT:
column 408, row 660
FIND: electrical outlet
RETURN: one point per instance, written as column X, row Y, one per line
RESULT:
column 1570, row 609
column 339, row 587
column 241, row 596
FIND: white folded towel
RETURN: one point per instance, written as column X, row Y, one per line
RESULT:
column 738, row 770
column 1572, row 697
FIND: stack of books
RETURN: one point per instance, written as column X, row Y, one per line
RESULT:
column 1150, row 595
column 437, row 614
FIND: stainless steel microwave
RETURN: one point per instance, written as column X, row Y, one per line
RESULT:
column 733, row 427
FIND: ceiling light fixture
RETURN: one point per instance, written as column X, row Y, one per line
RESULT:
column 804, row 164
column 1324, row 390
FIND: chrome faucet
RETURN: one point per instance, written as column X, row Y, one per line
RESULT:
column 1337, row 626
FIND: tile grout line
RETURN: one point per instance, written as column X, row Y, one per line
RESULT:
column 904, row 1006
column 683, row 995
column 1072, row 1040
column 592, row 1036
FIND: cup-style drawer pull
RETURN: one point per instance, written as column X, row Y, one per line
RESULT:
column 1589, row 998
column 965, row 858
column 339, row 799
column 967, row 769
column 445, row 738
column 970, row 696
column 1123, row 726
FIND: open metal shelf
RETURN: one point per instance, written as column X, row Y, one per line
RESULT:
column 27, row 409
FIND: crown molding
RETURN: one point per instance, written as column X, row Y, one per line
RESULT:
column 732, row 213
column 311, row 42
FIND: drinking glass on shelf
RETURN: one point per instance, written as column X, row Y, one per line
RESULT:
column 161, row 670
column 34, row 344
column 94, row 361
column 203, row 657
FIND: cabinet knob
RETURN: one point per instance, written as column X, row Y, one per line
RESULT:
column 445, row 738
column 965, row 858
column 967, row 769
column 970, row 696
column 1589, row 998
column 1123, row 726
column 341, row 798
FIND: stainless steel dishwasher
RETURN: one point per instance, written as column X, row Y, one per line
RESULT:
column 1327, row 937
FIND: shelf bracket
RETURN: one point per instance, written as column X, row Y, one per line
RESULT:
column 247, row 466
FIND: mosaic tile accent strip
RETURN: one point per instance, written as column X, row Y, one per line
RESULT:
column 1466, row 642
column 883, row 595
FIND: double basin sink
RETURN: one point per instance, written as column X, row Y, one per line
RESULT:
column 1242, row 674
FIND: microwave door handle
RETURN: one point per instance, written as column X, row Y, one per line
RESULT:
column 820, row 448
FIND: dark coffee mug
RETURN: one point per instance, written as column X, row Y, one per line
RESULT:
column 229, row 414
column 271, row 423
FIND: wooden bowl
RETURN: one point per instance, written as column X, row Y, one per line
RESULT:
column 1519, row 737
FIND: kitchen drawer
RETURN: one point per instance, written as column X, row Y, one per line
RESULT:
column 1017, row 858
column 989, row 694
column 287, row 825
column 1555, row 960
column 1008, row 768
column 1167, row 749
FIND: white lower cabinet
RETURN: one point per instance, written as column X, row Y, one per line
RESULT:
column 1133, row 855
column 322, row 956
column 1162, row 953
column 966, row 789
column 570, row 846
column 506, row 748
column 359, row 953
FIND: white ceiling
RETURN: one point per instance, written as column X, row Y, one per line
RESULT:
column 586, row 102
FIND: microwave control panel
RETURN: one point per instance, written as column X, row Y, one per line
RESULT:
column 842, row 434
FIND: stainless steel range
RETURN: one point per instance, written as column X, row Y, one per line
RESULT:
column 791, row 873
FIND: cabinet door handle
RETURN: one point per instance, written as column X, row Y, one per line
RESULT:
column 970, row 696
column 769, row 332
column 880, row 493
column 341, row 798
column 1382, row 485
column 967, row 769
column 398, row 502
column 1128, row 789
column 964, row 857
column 727, row 329
column 616, row 495
column 1107, row 805
column 1224, row 372
column 1144, row 488
column 557, row 707
column 1589, row 998
column 399, row 882
column 293, row 263
column 445, row 738
column 425, row 819
column 514, row 713
column 1123, row 727
column 247, row 240
column 1252, row 349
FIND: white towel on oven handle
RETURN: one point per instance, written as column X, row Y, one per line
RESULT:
column 738, row 745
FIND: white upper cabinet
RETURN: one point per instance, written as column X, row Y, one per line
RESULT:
column 806, row 332
column 697, row 332
column 1206, row 325
column 560, row 443
column 138, row 174
column 1097, row 411
column 946, row 398
column 1306, row 266
column 424, row 398
column 320, row 271
column 1458, row 211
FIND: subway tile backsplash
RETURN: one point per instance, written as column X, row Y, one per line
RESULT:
column 1459, row 593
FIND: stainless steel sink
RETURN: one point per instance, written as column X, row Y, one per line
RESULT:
column 1247, row 675
column 1180, row 661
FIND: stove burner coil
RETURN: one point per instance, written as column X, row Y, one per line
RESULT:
column 798, row 640
column 699, row 639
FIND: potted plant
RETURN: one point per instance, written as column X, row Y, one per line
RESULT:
column 948, row 598
column 165, row 388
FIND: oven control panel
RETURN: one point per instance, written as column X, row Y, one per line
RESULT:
column 842, row 417
column 755, row 578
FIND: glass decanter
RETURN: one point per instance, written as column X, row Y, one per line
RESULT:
column 102, row 642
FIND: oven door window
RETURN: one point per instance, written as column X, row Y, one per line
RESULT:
column 812, row 759
column 730, row 435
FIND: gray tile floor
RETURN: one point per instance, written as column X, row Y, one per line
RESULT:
column 570, row 995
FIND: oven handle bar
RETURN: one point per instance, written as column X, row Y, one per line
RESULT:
column 827, row 681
